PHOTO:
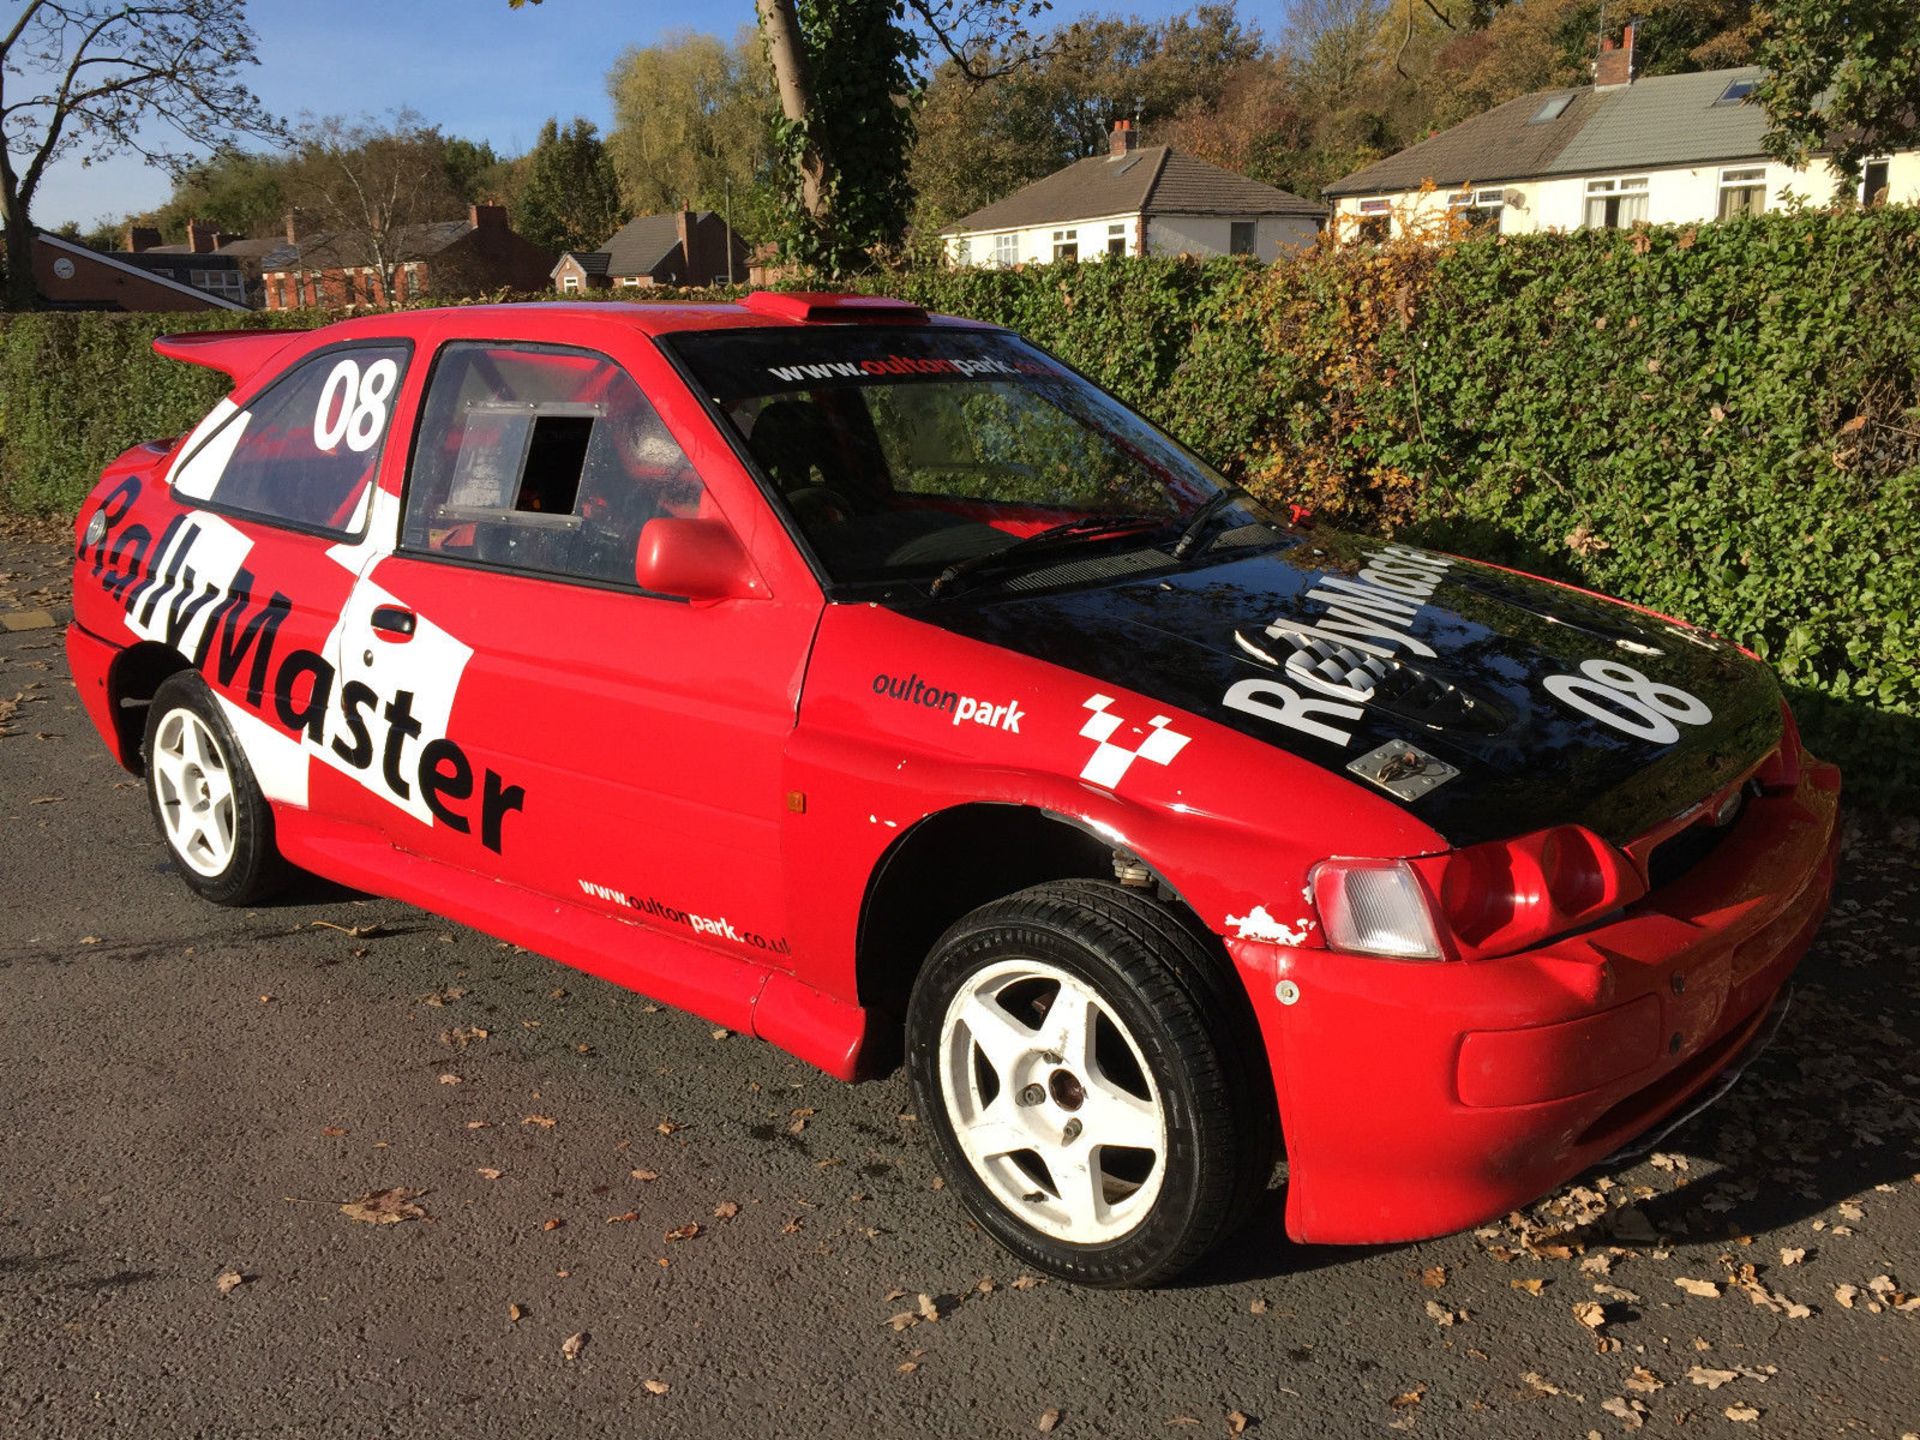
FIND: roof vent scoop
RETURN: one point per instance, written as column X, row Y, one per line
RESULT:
column 828, row 307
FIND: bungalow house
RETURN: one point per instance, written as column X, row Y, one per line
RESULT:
column 1134, row 200
column 72, row 276
column 1667, row 149
column 686, row 248
column 479, row 253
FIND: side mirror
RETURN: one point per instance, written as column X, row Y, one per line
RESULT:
column 700, row 559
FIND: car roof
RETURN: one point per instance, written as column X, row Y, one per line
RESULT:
column 760, row 310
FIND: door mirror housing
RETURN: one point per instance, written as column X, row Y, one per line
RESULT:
column 697, row 559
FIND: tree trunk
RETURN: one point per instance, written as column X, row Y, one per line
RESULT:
column 23, row 291
column 781, row 29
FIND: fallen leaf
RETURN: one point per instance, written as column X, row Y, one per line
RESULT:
column 1442, row 1316
column 1629, row 1411
column 1589, row 1314
column 1711, row 1378
column 1531, row 1285
column 486, row 1173
column 1434, row 1276
column 545, row 1122
column 904, row 1320
column 726, row 1210
column 624, row 1219
column 1406, row 1399
column 385, row 1207
column 333, row 1130
column 1025, row 1282
column 655, row 1387
column 906, row 1367
column 1746, row 1414
column 1257, row 1307
column 665, row 1127
column 685, row 1232
column 1643, row 1381
column 721, row 1033
column 574, row 1344
column 1706, row 1289
column 644, row 1174
column 228, row 1281
column 516, row 1313
column 553, row 1224
column 1792, row 1257
column 1048, row 1419
column 1237, row 1422
column 1846, row 1295
column 929, row 1308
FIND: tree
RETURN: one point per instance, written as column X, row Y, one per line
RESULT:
column 470, row 165
column 366, row 188
column 239, row 192
column 1843, row 77
column 693, row 122
column 98, row 77
column 569, row 199
column 845, row 74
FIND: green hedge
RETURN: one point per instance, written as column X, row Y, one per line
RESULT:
column 1721, row 422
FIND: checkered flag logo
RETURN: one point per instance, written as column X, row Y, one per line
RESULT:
column 1110, row 762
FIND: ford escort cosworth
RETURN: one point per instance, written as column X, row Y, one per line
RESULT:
column 870, row 681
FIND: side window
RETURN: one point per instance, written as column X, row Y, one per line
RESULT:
column 542, row 458
column 304, row 450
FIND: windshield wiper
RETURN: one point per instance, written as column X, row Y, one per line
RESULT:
column 1197, row 526
column 1087, row 527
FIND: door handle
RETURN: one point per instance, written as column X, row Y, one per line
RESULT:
column 393, row 622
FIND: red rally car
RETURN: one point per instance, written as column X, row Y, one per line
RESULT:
column 871, row 681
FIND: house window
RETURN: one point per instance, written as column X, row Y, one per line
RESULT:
column 1737, row 92
column 1743, row 192
column 1066, row 244
column 963, row 251
column 1616, row 204
column 629, row 282
column 1478, row 209
column 1006, row 250
column 1873, row 182
column 1117, row 239
column 570, row 283
column 1552, row 110
column 1240, row 234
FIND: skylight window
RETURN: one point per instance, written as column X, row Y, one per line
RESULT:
column 1737, row 91
column 1552, row 110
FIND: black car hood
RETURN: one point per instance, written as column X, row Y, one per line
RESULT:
column 1189, row 635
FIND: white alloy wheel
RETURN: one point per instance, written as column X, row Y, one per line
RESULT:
column 193, row 787
column 1051, row 1101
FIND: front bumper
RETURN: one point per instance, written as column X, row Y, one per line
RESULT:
column 1422, row 1098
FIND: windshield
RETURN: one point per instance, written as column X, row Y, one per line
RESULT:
column 903, row 453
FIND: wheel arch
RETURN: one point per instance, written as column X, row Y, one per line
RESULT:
column 136, row 673
column 951, row 862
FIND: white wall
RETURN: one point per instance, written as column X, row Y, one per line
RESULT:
column 1273, row 236
column 1034, row 243
column 1674, row 196
column 1166, row 235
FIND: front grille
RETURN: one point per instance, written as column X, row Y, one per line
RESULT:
column 1080, row 572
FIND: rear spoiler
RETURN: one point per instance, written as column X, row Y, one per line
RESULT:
column 239, row 353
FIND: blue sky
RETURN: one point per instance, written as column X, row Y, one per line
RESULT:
column 473, row 67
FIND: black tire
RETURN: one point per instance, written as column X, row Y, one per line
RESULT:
column 1169, row 987
column 254, row 869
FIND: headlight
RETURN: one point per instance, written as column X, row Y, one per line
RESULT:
column 1374, row 907
column 96, row 528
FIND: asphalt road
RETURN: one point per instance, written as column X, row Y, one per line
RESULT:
column 190, row 1093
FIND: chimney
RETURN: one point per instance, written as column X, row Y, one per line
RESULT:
column 202, row 238
column 141, row 238
column 293, row 227
column 487, row 217
column 1614, row 68
column 1122, row 141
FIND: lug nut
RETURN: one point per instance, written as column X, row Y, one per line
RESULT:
column 1072, row 1132
column 1032, row 1095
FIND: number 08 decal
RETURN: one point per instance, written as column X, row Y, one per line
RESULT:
column 353, row 405
column 1620, row 696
